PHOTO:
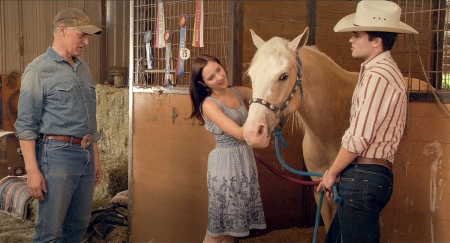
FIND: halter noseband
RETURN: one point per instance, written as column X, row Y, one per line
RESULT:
column 275, row 108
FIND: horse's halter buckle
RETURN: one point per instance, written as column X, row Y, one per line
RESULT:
column 275, row 108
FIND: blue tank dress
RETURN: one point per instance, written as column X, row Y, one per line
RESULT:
column 235, row 204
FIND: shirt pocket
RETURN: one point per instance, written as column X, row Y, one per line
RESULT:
column 92, row 92
column 66, row 93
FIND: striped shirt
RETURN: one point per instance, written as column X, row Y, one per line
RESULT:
column 378, row 111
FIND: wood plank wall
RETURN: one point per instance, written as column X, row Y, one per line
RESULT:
column 26, row 30
column 170, row 199
column 419, row 209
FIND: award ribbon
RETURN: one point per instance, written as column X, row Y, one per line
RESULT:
column 180, row 62
column 168, row 82
column 197, row 41
column 148, row 47
column 159, row 40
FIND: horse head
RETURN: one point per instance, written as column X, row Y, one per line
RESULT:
column 275, row 73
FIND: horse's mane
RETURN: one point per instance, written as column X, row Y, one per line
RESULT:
column 276, row 48
column 316, row 50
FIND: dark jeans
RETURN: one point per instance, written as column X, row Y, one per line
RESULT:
column 365, row 190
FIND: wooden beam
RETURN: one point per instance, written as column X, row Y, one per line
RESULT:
column 103, row 45
column 235, row 41
column 312, row 9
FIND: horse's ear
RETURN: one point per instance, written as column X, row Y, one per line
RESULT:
column 257, row 41
column 299, row 41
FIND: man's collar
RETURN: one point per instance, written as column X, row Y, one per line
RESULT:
column 56, row 57
column 375, row 59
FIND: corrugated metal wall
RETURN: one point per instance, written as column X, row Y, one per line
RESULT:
column 26, row 31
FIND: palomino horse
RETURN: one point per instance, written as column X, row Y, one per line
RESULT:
column 322, row 98
column 288, row 77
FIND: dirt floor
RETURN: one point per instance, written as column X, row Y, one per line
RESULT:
column 292, row 235
column 13, row 230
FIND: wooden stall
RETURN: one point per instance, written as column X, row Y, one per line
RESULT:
column 168, row 161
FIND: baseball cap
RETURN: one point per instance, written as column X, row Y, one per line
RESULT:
column 72, row 17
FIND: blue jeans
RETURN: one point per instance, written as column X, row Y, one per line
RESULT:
column 69, row 173
column 365, row 190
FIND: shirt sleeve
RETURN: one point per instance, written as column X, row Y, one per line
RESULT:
column 30, row 105
column 372, row 104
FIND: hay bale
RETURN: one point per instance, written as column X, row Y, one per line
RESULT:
column 112, row 119
column 115, row 178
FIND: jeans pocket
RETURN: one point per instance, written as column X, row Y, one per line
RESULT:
column 376, row 194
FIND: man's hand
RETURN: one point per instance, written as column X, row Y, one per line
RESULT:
column 98, row 174
column 327, row 182
column 36, row 184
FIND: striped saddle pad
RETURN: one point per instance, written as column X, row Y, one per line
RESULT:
column 14, row 196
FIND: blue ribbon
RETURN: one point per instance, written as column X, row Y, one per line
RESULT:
column 180, row 63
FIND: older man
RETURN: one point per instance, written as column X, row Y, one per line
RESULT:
column 57, row 129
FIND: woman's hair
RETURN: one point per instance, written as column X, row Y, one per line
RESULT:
column 197, row 91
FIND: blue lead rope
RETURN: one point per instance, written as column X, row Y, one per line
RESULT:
column 337, row 199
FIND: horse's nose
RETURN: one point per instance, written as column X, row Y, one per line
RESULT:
column 261, row 130
column 256, row 134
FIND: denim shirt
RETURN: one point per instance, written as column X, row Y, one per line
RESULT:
column 56, row 98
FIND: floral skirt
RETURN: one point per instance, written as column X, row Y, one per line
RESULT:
column 235, row 204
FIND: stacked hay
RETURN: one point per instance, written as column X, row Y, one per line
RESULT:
column 112, row 119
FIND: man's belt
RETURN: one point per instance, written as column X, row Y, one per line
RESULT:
column 83, row 142
column 372, row 161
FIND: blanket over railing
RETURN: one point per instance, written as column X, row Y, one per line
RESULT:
column 14, row 196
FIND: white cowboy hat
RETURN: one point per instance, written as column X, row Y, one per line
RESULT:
column 372, row 15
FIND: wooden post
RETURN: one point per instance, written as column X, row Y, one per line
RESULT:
column 103, row 45
column 312, row 9
column 235, row 41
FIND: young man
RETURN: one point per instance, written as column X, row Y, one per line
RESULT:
column 57, row 130
column 363, row 166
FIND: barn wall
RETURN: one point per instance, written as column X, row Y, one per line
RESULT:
column 169, row 170
column 419, row 208
column 26, row 30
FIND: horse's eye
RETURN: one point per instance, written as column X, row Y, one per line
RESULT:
column 284, row 77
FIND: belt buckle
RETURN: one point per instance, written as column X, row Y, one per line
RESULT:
column 86, row 141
